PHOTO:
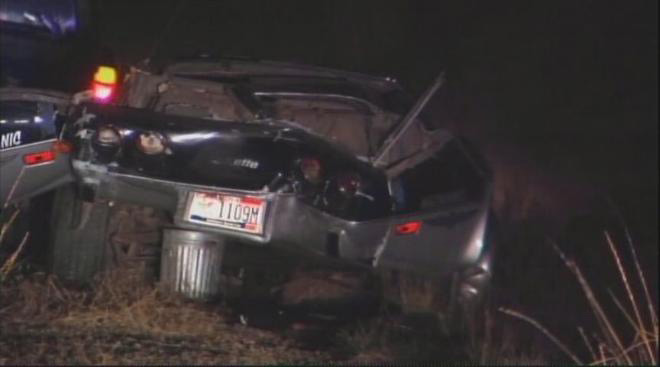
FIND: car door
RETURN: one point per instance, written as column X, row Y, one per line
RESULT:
column 442, row 198
column 32, row 161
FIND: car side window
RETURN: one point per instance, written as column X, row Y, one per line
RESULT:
column 25, row 122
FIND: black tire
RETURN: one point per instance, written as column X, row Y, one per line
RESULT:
column 78, row 237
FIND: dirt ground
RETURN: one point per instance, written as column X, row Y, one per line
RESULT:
column 42, row 322
column 117, row 322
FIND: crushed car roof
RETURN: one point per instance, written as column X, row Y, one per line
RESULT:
column 235, row 67
column 284, row 77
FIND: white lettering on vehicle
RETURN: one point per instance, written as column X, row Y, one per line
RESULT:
column 246, row 162
column 11, row 139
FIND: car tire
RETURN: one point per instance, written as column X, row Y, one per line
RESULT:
column 78, row 237
column 467, row 311
column 466, row 316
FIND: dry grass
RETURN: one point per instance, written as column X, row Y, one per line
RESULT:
column 117, row 322
column 422, row 332
column 417, row 339
column 610, row 346
column 399, row 340
column 9, row 264
column 500, row 344
column 121, row 319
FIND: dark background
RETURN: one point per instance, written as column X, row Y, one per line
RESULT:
column 561, row 96
column 568, row 87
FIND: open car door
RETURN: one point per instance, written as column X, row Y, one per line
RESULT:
column 441, row 189
column 32, row 161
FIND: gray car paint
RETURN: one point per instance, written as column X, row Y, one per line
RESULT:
column 451, row 240
column 19, row 181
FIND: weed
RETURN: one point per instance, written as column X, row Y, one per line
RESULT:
column 609, row 346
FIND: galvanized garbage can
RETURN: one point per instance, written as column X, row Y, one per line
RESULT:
column 191, row 262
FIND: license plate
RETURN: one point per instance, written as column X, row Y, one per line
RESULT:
column 239, row 213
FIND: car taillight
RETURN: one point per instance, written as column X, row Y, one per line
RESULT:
column 348, row 184
column 409, row 228
column 104, row 85
column 48, row 156
column 103, row 93
column 40, row 157
column 311, row 169
column 151, row 143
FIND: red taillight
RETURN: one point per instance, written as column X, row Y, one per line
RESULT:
column 48, row 156
column 102, row 92
column 41, row 157
column 409, row 228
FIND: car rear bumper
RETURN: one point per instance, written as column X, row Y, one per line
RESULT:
column 456, row 246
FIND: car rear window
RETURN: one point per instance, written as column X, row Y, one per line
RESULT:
column 337, row 119
column 448, row 176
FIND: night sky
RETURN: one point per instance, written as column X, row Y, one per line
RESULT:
column 533, row 66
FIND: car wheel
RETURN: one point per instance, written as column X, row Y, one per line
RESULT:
column 470, row 294
column 78, row 237
column 466, row 311
column 459, row 303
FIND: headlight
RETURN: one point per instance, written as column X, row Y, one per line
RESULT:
column 151, row 143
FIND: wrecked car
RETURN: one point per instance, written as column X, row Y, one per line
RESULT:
column 180, row 170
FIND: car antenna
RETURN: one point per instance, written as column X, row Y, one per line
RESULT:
column 176, row 12
column 408, row 119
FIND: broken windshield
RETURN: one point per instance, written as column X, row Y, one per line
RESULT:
column 346, row 121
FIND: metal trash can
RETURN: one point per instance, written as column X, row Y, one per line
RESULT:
column 191, row 262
